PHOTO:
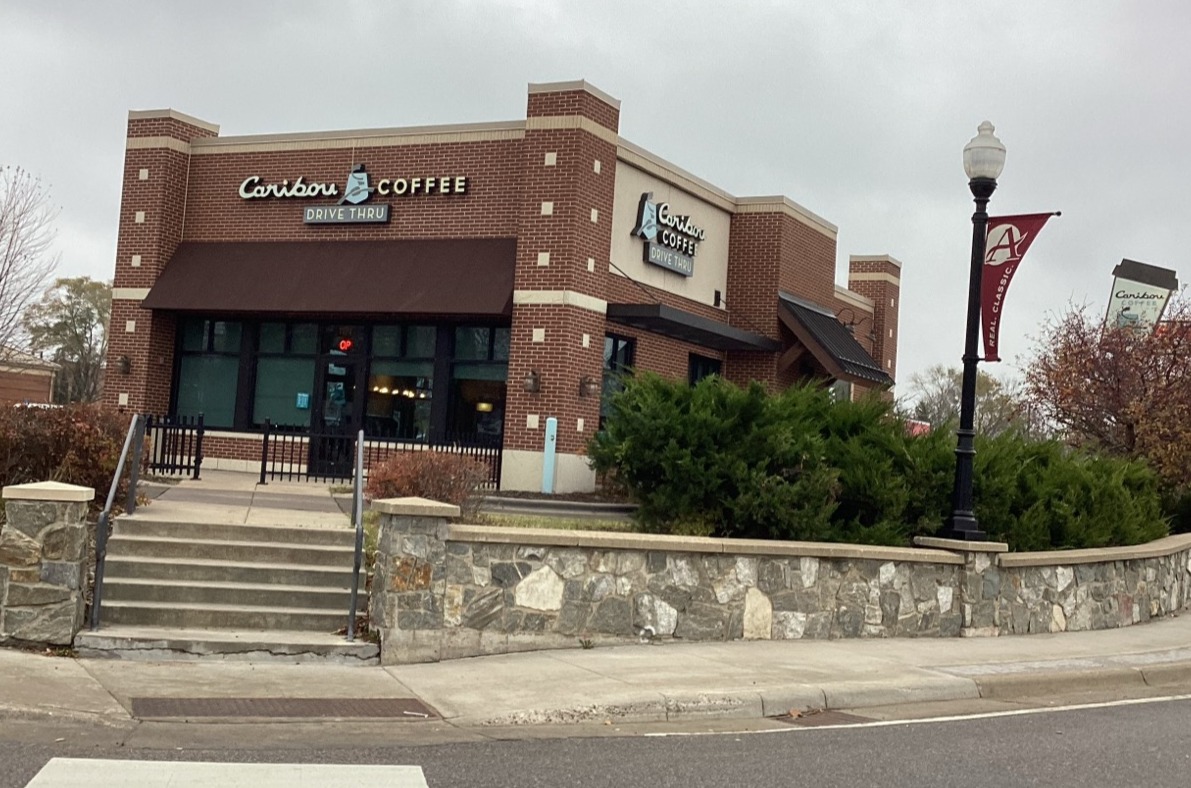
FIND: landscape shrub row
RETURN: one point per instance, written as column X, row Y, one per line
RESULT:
column 718, row 460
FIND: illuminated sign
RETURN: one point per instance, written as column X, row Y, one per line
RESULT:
column 353, row 206
column 671, row 240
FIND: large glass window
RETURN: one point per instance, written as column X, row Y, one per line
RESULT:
column 284, row 374
column 400, row 382
column 209, row 370
column 479, row 371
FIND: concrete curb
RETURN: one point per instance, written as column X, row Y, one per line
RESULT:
column 1019, row 685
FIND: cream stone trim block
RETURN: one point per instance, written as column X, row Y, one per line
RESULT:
column 130, row 293
column 551, row 122
column 415, row 507
column 362, row 138
column 695, row 544
column 877, row 276
column 784, row 205
column 854, row 299
column 147, row 143
column 561, row 297
column 47, row 491
column 572, row 85
column 1107, row 555
column 173, row 114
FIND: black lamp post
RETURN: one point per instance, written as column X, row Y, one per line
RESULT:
column 984, row 158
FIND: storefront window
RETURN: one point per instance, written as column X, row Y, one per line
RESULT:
column 284, row 374
column 209, row 370
column 400, row 382
column 478, row 376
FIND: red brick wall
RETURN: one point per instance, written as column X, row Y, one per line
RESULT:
column 162, row 199
column 574, row 102
column 571, row 237
column 886, row 297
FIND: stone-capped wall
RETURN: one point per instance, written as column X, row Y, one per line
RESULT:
column 444, row 591
column 43, row 546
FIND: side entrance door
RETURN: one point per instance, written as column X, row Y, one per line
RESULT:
column 338, row 409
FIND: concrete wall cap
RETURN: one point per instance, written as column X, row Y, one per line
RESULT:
column 173, row 114
column 691, row 544
column 1159, row 548
column 961, row 545
column 48, row 491
column 415, row 507
column 574, row 85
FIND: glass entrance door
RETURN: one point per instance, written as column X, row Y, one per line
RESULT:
column 338, row 408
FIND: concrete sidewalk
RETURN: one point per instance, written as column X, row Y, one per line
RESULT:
column 226, row 497
column 677, row 682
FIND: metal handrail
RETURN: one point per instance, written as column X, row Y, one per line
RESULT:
column 358, row 521
column 101, row 528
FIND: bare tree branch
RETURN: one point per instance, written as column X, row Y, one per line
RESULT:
column 26, row 238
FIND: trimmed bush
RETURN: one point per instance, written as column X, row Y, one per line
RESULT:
column 439, row 476
column 715, row 459
column 75, row 444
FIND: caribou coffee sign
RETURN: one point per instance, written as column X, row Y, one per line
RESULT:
column 671, row 240
column 354, row 205
column 1139, row 295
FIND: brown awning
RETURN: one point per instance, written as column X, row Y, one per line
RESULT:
column 429, row 277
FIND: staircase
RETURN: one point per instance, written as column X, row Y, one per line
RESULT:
column 176, row 589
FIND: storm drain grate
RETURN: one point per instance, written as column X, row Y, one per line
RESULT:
column 406, row 709
column 823, row 719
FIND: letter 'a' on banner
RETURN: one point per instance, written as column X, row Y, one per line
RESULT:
column 1008, row 239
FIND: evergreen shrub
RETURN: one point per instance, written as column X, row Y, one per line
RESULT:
column 718, row 460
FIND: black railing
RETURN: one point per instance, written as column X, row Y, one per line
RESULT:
column 175, row 444
column 297, row 454
column 135, row 437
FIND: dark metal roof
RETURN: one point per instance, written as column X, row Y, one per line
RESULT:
column 430, row 277
column 1147, row 274
column 677, row 324
column 831, row 343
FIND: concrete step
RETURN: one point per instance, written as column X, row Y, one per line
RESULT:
column 204, row 592
column 145, row 526
column 226, row 550
column 177, row 643
column 210, row 616
column 214, row 571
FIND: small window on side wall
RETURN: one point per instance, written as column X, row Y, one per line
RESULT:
column 700, row 367
column 841, row 391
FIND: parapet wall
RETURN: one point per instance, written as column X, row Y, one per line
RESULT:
column 444, row 590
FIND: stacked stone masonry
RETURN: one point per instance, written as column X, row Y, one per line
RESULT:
column 43, row 551
column 445, row 591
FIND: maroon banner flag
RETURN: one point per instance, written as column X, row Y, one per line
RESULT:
column 1007, row 240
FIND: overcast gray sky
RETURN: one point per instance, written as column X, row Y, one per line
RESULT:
column 856, row 110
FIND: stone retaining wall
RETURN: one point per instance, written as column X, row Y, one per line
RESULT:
column 443, row 590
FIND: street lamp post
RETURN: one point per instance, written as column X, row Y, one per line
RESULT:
column 984, row 158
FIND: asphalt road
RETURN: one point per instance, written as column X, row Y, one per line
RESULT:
column 1146, row 744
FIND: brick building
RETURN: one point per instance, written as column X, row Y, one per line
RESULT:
column 462, row 282
column 25, row 378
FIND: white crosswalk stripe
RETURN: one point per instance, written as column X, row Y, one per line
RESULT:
column 100, row 773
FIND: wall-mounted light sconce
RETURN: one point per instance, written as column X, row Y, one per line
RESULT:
column 532, row 382
column 589, row 386
column 124, row 364
column 483, row 407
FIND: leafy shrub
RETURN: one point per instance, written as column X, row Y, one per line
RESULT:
column 715, row 459
column 439, row 476
column 75, row 444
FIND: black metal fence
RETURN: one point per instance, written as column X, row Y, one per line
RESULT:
column 175, row 444
column 297, row 454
